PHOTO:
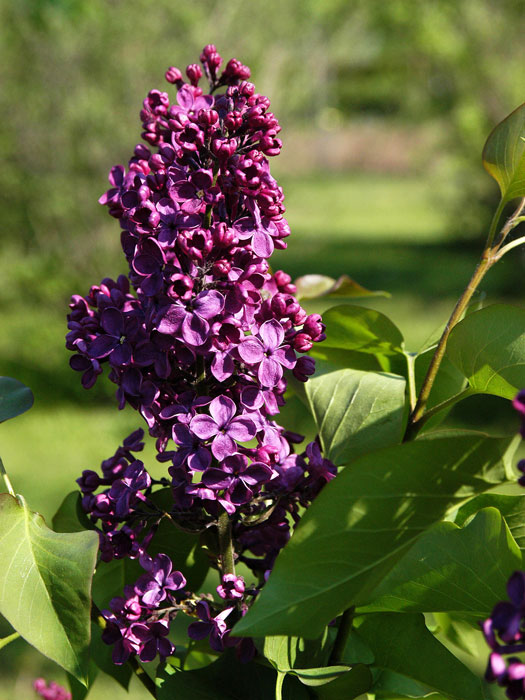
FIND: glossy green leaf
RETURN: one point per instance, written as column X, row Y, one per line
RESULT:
column 318, row 676
column 364, row 521
column 15, row 398
column 297, row 656
column 285, row 653
column 225, row 679
column 45, row 584
column 403, row 645
column 488, row 347
column 356, row 650
column 355, row 411
column 357, row 328
column 512, row 508
column 315, row 286
column 111, row 577
column 70, row 517
column 504, row 155
column 431, row 576
column 354, row 683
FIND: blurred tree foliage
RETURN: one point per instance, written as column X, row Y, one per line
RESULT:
column 74, row 73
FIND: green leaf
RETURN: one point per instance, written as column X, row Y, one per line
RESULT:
column 79, row 691
column 111, row 577
column 354, row 683
column 225, row 679
column 512, row 508
column 70, row 517
column 355, row 411
column 363, row 521
column 504, row 155
column 285, row 653
column 488, row 347
column 356, row 650
column 403, row 645
column 318, row 676
column 431, row 576
column 45, row 584
column 357, row 328
column 15, row 398
column 315, row 286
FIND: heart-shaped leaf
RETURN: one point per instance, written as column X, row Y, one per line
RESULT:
column 431, row 576
column 45, row 584
column 404, row 646
column 351, row 327
column 355, row 411
column 364, row 521
column 348, row 686
column 512, row 508
column 315, row 286
column 488, row 347
column 504, row 155
column 225, row 679
column 15, row 398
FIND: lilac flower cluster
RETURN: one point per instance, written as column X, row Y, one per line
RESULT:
column 198, row 337
column 53, row 691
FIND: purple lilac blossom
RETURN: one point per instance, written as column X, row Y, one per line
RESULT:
column 53, row 691
column 199, row 338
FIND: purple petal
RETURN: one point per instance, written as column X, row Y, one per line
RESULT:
column 181, row 435
column 209, row 304
column 171, row 319
column 262, row 244
column 121, row 355
column 112, row 322
column 183, row 190
column 223, row 446
column 240, row 493
column 199, row 460
column 222, row 366
column 102, row 346
column 195, row 330
column 202, row 179
column 216, row 478
column 270, row 372
column 242, row 429
column 185, row 97
column 257, row 473
column 222, row 409
column 251, row 350
column 204, row 427
column 272, row 334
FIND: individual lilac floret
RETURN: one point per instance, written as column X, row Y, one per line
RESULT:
column 268, row 353
column 53, row 691
column 504, row 632
column 213, row 627
column 160, row 579
column 232, row 587
column 224, row 427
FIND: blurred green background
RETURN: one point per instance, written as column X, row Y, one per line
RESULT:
column 385, row 107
